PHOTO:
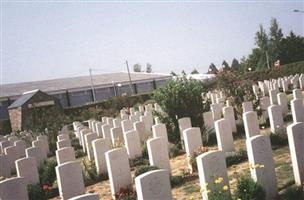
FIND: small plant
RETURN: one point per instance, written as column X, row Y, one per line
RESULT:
column 249, row 189
column 278, row 139
column 79, row 153
column 145, row 151
column 174, row 150
column 143, row 169
column 176, row 180
column 238, row 157
column 138, row 161
column 36, row 192
column 220, row 191
column 126, row 194
column 192, row 158
column 47, row 173
column 294, row 192
column 90, row 172
column 75, row 144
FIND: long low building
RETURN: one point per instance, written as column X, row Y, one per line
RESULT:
column 77, row 91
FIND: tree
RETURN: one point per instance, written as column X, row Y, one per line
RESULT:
column 275, row 37
column 225, row 66
column 137, row 67
column 184, row 73
column 194, row 71
column 261, row 38
column 172, row 73
column 148, row 68
column 212, row 69
column 291, row 49
column 235, row 65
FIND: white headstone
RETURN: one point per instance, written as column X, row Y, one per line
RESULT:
column 70, row 180
column 211, row 166
column 65, row 154
column 132, row 143
column 228, row 113
column 5, row 170
column 295, row 134
column 283, row 102
column 117, row 137
column 37, row 153
column 13, row 189
column 208, row 120
column 88, row 139
column 118, row 169
column 224, row 135
column 251, row 124
column 100, row 147
column 247, row 106
column 158, row 153
column 160, row 130
column 275, row 118
column 89, row 196
column 126, row 125
column 297, row 110
column 140, row 128
column 153, row 185
column 262, row 170
column 27, row 168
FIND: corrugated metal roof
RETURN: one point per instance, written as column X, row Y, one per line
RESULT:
column 74, row 83
column 22, row 99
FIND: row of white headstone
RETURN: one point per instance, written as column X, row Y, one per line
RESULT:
column 25, row 161
column 258, row 146
column 97, row 140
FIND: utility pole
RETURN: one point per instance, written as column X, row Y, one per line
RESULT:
column 92, row 85
column 130, row 81
column 267, row 60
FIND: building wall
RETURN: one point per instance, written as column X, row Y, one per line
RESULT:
column 77, row 98
column 15, row 116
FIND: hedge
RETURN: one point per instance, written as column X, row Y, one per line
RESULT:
column 284, row 70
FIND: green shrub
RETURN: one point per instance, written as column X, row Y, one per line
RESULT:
column 249, row 189
column 145, row 151
column 75, row 144
column 176, row 180
column 36, row 192
column 47, row 173
column 90, row 175
column 238, row 157
column 138, row 161
column 293, row 193
column 274, row 73
column 181, row 98
column 240, row 129
column 209, row 138
column 174, row 150
column 143, row 169
column 79, row 153
column 278, row 140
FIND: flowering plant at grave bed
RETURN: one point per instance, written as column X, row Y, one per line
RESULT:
column 220, row 191
column 126, row 194
column 192, row 159
column 247, row 188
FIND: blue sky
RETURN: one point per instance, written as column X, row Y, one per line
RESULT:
column 45, row 40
